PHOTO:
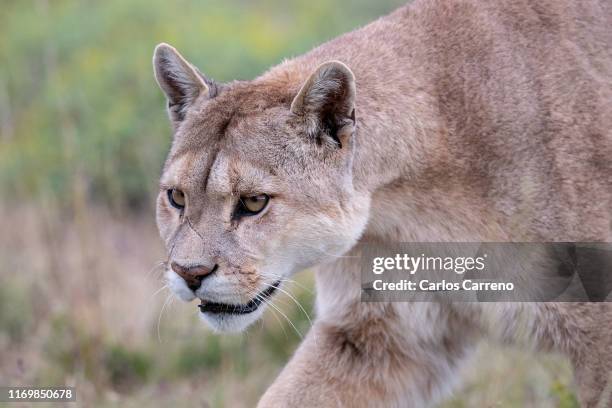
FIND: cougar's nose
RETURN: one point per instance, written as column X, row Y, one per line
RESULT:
column 193, row 275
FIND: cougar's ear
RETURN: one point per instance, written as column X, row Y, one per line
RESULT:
column 179, row 80
column 326, row 101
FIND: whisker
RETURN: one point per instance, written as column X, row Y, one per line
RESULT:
column 158, row 291
column 290, row 281
column 253, row 293
column 301, row 307
column 158, row 265
column 296, row 302
column 279, row 323
column 161, row 313
column 268, row 302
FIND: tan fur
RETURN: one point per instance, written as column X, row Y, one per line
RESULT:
column 472, row 121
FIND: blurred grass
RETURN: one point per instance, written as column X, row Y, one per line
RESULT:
column 78, row 306
column 82, row 117
column 83, row 134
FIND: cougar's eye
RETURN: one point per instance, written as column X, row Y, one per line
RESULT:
column 176, row 198
column 252, row 205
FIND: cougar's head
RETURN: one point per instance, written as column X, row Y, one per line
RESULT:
column 257, row 185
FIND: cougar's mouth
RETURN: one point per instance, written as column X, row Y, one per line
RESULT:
column 251, row 306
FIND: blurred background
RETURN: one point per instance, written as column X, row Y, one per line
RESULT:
column 83, row 134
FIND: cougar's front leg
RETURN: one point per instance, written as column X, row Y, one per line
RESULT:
column 583, row 332
column 374, row 357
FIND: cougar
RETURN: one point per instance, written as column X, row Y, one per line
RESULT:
column 445, row 121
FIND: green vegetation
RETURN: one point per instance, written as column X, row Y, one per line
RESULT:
column 82, row 117
column 15, row 311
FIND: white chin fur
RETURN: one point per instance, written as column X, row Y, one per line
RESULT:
column 229, row 323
